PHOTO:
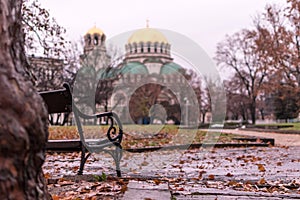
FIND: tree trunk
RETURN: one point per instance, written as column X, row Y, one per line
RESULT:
column 23, row 118
column 203, row 117
column 253, row 113
column 262, row 113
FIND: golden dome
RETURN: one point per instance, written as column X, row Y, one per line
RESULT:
column 95, row 30
column 147, row 35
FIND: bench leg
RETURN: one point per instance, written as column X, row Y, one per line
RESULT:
column 117, row 157
column 83, row 160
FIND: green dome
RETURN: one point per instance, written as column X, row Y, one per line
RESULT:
column 170, row 68
column 134, row 68
column 106, row 73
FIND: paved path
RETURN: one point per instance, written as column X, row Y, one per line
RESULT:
column 280, row 139
column 145, row 190
column 222, row 173
column 141, row 190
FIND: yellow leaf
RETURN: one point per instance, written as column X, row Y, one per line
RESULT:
column 156, row 181
column 47, row 175
column 232, row 183
column 262, row 181
column 261, row 168
column 55, row 197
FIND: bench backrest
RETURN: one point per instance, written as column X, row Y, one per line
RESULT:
column 58, row 101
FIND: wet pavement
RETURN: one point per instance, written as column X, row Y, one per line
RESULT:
column 223, row 173
column 204, row 173
column 145, row 190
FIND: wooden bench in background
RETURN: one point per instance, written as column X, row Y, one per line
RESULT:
column 61, row 101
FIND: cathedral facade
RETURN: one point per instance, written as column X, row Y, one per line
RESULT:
column 147, row 86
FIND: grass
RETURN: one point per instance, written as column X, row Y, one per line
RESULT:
column 296, row 126
column 136, row 136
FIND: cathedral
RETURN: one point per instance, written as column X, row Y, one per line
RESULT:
column 147, row 85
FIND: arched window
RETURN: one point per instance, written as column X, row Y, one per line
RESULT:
column 89, row 39
column 155, row 47
column 142, row 48
column 96, row 40
column 135, row 47
column 161, row 48
column 149, row 49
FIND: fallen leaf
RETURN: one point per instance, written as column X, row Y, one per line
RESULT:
column 156, row 181
column 75, row 168
column 211, row 177
column 232, row 183
column 47, row 175
column 124, row 188
column 55, row 197
column 261, row 168
column 144, row 163
column 262, row 181
column 229, row 174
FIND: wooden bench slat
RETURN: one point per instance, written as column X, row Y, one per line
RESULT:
column 57, row 101
column 64, row 145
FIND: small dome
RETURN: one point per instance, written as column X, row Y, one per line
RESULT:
column 170, row 68
column 95, row 30
column 134, row 68
column 147, row 35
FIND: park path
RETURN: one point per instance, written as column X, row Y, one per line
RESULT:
column 223, row 173
column 280, row 139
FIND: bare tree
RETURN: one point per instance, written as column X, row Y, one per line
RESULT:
column 49, row 53
column 240, row 53
column 280, row 28
column 237, row 102
column 265, row 60
column 43, row 35
column 23, row 121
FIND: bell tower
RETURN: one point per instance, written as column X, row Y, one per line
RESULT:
column 94, row 38
column 95, row 53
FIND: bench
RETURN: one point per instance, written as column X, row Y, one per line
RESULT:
column 61, row 101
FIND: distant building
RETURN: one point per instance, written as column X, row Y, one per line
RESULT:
column 48, row 73
column 94, row 51
column 145, row 87
column 148, row 79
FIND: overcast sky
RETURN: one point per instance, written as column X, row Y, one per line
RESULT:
column 204, row 21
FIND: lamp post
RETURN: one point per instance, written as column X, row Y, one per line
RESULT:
column 186, row 110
